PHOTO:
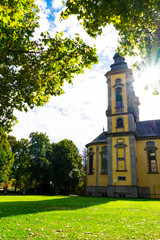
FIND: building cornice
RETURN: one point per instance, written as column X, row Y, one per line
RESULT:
column 117, row 72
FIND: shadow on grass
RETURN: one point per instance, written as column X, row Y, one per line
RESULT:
column 13, row 208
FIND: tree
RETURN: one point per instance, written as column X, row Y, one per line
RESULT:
column 33, row 70
column 6, row 157
column 138, row 23
column 84, row 162
column 22, row 163
column 67, row 167
column 39, row 146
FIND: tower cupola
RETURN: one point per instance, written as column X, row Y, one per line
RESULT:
column 119, row 63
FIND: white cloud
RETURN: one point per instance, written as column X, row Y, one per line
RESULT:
column 43, row 21
column 57, row 4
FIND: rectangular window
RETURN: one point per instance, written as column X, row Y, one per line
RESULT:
column 104, row 163
column 121, row 178
column 152, row 161
column 90, row 164
column 119, row 97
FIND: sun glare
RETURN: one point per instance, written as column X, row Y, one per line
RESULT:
column 149, row 79
column 151, row 75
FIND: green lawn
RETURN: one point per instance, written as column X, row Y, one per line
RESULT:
column 59, row 217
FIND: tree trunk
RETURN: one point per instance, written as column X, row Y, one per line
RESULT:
column 35, row 187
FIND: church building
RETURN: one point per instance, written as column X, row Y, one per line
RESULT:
column 125, row 160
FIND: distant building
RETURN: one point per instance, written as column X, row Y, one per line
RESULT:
column 125, row 160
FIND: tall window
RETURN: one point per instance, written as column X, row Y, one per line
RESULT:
column 121, row 165
column 151, row 156
column 104, row 163
column 119, row 102
column 152, row 161
column 120, row 155
column 90, row 164
column 120, row 123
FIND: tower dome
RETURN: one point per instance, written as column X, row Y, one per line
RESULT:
column 119, row 62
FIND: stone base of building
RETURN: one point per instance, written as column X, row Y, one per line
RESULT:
column 96, row 191
column 118, row 191
column 144, row 192
column 123, row 191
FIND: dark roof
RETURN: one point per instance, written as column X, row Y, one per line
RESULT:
column 101, row 138
column 143, row 129
column 148, row 128
column 119, row 63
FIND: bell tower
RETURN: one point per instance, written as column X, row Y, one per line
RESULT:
column 122, row 115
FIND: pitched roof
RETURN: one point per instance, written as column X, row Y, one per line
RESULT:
column 100, row 139
column 148, row 128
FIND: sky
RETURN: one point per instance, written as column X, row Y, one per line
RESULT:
column 79, row 114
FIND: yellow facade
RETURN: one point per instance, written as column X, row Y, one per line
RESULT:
column 123, row 80
column 114, row 129
column 116, row 173
column 146, row 179
column 102, row 179
column 125, row 160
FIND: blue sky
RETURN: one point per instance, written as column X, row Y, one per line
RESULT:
column 79, row 114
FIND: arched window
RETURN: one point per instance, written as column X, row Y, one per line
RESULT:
column 121, row 156
column 151, row 156
column 152, row 161
column 91, row 149
column 119, row 102
column 104, row 163
column 120, row 123
column 104, row 148
column 90, row 169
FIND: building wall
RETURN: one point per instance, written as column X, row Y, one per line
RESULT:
column 121, row 173
column 97, row 178
column 146, row 179
column 122, row 76
column 128, row 173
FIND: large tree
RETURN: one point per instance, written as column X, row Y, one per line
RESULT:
column 33, row 70
column 21, row 172
column 38, row 151
column 67, row 167
column 138, row 23
column 6, row 157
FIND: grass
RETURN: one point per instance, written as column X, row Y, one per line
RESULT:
column 59, row 217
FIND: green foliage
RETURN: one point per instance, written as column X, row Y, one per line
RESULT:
column 67, row 166
column 57, row 217
column 33, row 70
column 39, row 146
column 22, row 163
column 37, row 163
column 137, row 21
column 6, row 157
